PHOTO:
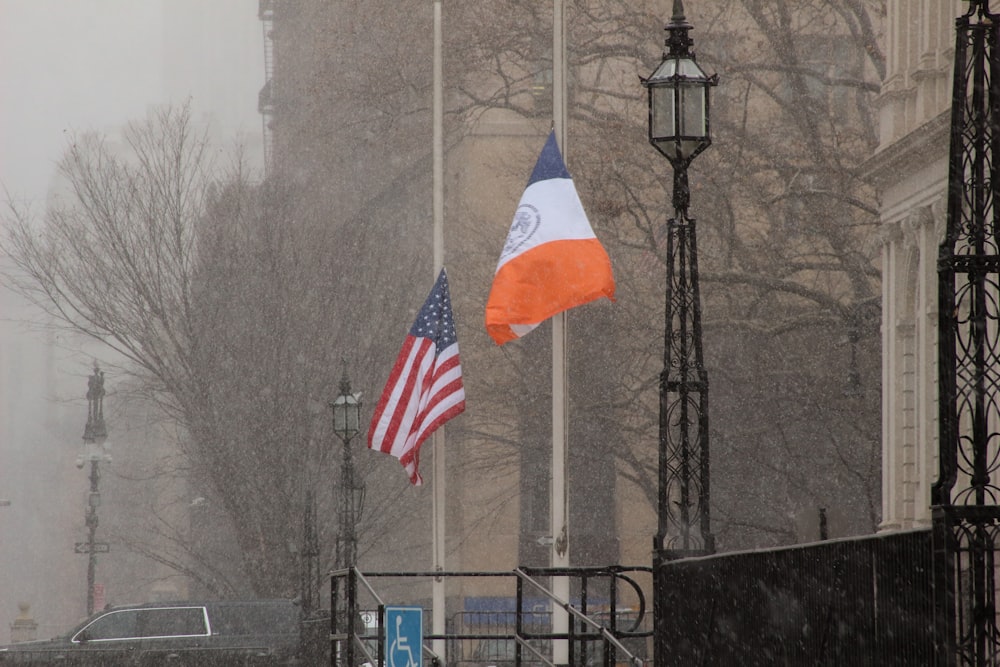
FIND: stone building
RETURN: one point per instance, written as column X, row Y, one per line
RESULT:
column 910, row 169
column 324, row 120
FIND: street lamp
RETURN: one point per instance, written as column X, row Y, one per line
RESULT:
column 347, row 424
column 95, row 435
column 679, row 129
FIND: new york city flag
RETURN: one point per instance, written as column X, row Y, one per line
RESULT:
column 552, row 261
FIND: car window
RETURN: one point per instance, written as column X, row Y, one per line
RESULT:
column 254, row 619
column 113, row 625
column 172, row 622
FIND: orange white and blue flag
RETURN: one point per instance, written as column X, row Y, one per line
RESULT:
column 425, row 387
column 552, row 261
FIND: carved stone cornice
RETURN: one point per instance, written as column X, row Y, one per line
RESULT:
column 908, row 154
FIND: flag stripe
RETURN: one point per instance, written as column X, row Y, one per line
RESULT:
column 406, row 397
column 400, row 384
column 522, row 292
column 439, row 396
column 390, row 395
column 442, row 395
column 410, row 459
column 406, row 409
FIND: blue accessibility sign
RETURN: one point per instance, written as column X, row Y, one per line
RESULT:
column 404, row 636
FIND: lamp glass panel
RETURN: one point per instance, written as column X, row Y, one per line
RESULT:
column 346, row 416
column 690, row 69
column 663, row 122
column 353, row 416
column 692, row 110
column 666, row 70
column 687, row 147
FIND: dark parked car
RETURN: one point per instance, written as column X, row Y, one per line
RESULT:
column 209, row 634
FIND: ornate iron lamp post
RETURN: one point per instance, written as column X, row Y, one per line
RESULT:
column 679, row 129
column 347, row 424
column 95, row 435
column 966, row 495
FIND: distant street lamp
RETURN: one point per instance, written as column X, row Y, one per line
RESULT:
column 347, row 424
column 95, row 435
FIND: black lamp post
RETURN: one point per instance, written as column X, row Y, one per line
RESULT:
column 679, row 129
column 95, row 435
column 347, row 424
column 966, row 495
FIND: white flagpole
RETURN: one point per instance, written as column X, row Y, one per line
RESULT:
column 559, row 503
column 438, row 502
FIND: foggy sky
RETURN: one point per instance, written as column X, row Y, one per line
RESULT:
column 80, row 65
column 95, row 64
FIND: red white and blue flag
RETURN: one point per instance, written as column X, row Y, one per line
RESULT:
column 552, row 261
column 425, row 387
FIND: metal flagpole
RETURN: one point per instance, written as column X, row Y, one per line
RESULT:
column 438, row 498
column 558, row 504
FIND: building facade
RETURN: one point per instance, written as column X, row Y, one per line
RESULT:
column 910, row 169
column 323, row 122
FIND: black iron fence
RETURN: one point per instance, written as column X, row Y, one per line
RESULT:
column 506, row 631
column 863, row 601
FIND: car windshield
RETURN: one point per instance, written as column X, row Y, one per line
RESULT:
column 113, row 625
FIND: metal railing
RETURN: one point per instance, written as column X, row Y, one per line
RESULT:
column 600, row 633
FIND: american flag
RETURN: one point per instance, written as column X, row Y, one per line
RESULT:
column 425, row 387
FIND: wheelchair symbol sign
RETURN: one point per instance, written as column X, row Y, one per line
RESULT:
column 404, row 636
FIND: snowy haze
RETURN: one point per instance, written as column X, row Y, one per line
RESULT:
column 71, row 66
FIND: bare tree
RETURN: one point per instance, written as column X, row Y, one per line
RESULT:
column 218, row 307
